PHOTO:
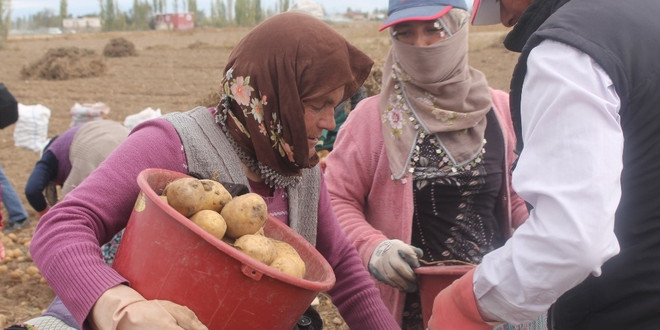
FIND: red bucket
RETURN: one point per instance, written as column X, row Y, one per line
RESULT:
column 166, row 256
column 432, row 279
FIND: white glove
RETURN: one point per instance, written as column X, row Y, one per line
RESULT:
column 392, row 263
column 121, row 307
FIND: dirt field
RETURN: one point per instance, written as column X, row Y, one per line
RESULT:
column 173, row 71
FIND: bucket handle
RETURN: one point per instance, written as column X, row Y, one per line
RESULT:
column 450, row 262
column 251, row 272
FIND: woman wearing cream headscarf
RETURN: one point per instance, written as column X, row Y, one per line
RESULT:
column 421, row 172
column 279, row 90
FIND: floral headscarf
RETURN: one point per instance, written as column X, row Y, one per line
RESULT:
column 433, row 90
column 287, row 59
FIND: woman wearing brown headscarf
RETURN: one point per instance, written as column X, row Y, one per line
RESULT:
column 280, row 87
column 419, row 174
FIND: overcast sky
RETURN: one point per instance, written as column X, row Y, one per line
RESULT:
column 22, row 8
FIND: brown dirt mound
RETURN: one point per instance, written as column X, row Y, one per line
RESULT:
column 65, row 63
column 119, row 47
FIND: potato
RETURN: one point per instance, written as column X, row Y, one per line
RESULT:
column 283, row 248
column 288, row 260
column 290, row 264
column 217, row 195
column 185, row 195
column 190, row 195
column 245, row 215
column 258, row 247
column 211, row 221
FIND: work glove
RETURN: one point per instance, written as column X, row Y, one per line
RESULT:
column 455, row 307
column 392, row 263
column 123, row 308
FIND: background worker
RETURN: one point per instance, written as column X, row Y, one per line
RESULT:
column 69, row 158
column 18, row 216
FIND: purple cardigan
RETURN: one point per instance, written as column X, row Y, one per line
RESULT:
column 66, row 242
column 371, row 207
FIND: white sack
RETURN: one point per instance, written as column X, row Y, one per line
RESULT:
column 31, row 131
column 82, row 113
column 133, row 120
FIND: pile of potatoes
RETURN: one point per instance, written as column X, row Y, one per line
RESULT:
column 238, row 221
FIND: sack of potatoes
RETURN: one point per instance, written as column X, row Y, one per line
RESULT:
column 237, row 220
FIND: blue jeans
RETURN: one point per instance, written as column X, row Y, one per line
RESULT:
column 11, row 200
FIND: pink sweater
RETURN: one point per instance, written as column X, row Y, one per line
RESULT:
column 371, row 207
column 66, row 242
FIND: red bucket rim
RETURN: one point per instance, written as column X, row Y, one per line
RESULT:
column 246, row 260
column 444, row 270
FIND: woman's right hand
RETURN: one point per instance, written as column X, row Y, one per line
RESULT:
column 393, row 262
column 121, row 307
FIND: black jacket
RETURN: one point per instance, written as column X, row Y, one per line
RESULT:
column 623, row 37
column 8, row 107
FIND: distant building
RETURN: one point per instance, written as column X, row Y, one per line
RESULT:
column 377, row 16
column 356, row 16
column 81, row 24
column 176, row 21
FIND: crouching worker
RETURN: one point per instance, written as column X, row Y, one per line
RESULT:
column 69, row 158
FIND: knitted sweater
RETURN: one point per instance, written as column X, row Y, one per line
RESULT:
column 371, row 207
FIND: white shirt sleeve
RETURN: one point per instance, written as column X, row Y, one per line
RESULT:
column 569, row 171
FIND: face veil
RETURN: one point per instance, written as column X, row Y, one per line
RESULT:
column 432, row 90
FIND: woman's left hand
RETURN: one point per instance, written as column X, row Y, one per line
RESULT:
column 121, row 307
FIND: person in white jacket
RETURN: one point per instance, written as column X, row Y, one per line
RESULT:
column 584, row 99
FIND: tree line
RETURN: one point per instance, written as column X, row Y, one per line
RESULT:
column 141, row 14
